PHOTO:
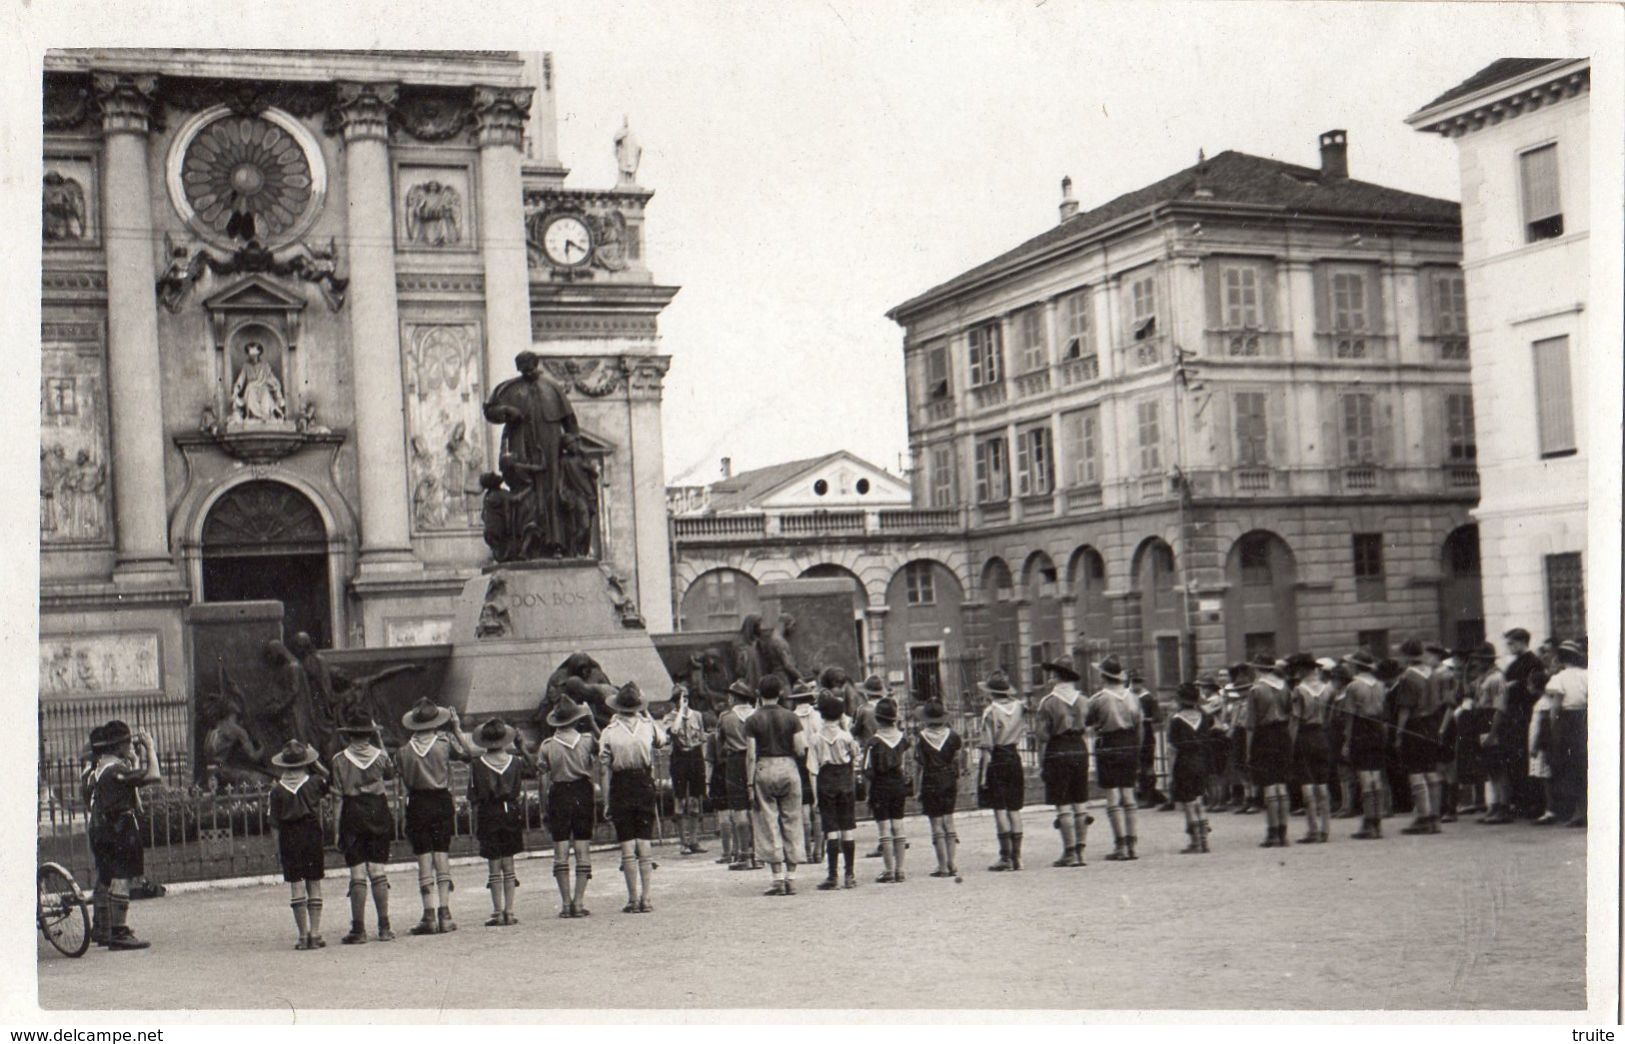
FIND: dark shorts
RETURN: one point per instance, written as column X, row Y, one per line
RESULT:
column 1312, row 756
column 806, row 781
column 429, row 818
column 1006, row 783
column 366, row 829
column 1189, row 778
column 1420, row 752
column 1117, row 758
column 632, row 805
column 299, row 849
column 1066, row 770
column 717, row 789
column 887, row 796
column 939, row 794
column 115, row 845
column 1271, row 760
column 500, row 830
column 569, row 810
column 738, row 790
column 1366, row 752
column 688, row 774
column 837, row 804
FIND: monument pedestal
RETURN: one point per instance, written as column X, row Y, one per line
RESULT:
column 516, row 623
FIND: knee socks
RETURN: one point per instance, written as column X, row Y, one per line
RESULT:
column 380, row 898
column 510, row 881
column 583, row 875
column 358, row 901
column 950, row 845
column 1114, row 815
column 313, row 911
column 888, row 853
column 1419, row 798
column 1435, row 785
column 118, row 906
column 493, row 884
column 1067, row 824
column 629, row 870
column 849, row 855
column 442, row 887
column 899, row 845
column 832, row 855
column 1129, row 808
column 301, row 915
column 1080, row 828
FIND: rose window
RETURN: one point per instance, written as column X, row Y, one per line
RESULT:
column 245, row 177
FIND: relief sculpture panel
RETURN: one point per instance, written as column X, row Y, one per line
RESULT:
column 442, row 365
column 73, row 445
column 85, row 665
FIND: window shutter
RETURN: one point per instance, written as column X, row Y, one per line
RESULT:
column 1375, row 317
column 1554, row 395
column 1275, row 406
column 1323, row 308
column 1269, row 303
column 1429, row 290
column 1222, row 443
column 1331, row 427
column 1213, row 290
column 1382, row 417
column 1435, row 420
column 1540, row 191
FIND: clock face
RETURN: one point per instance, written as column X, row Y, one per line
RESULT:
column 567, row 241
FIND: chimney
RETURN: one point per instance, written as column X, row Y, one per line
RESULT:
column 1334, row 154
column 727, row 467
column 1069, row 205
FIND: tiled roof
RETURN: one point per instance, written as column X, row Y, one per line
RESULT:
column 738, row 492
column 1489, row 76
column 1230, row 177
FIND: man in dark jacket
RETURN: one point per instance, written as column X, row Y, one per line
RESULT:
column 1526, row 798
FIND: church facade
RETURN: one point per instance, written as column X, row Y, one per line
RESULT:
column 278, row 288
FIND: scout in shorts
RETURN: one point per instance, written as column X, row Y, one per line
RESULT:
column 425, row 767
column 938, row 757
column 1311, row 704
column 731, row 740
column 1269, row 744
column 1418, row 712
column 567, row 760
column 686, row 727
column 716, row 790
column 296, row 809
column 831, row 755
column 629, row 743
column 360, row 774
column 802, row 697
column 1190, row 733
column 885, row 763
column 125, row 762
column 1002, row 785
column 1060, row 727
column 494, row 789
column 1365, row 743
column 1114, row 713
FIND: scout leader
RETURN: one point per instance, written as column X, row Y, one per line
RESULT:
column 125, row 762
column 425, row 767
column 296, row 809
column 802, row 697
column 360, row 774
column 1003, row 784
column 775, row 742
column 1114, row 713
column 1060, row 727
column 629, row 742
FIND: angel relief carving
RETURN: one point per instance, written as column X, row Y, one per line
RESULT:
column 63, row 208
column 434, row 214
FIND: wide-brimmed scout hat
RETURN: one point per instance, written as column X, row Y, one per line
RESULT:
column 801, row 692
column 114, row 733
column 1435, row 648
column 1063, row 666
column 1188, row 694
column 1411, row 649
column 933, row 713
column 1361, row 660
column 494, row 734
column 567, row 712
column 628, row 699
column 1325, row 663
column 830, row 706
column 740, row 689
column 1111, row 670
column 1265, row 662
column 886, row 711
column 875, row 685
column 425, row 716
column 1484, row 653
column 997, row 684
column 1572, row 648
column 357, row 722
column 295, row 755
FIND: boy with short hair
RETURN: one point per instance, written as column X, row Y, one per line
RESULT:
column 885, row 762
column 629, row 742
column 125, row 762
column 686, row 727
column 494, row 789
column 1115, row 716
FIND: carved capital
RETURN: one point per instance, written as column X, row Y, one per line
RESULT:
column 645, row 374
column 127, row 102
column 499, row 115
column 361, row 110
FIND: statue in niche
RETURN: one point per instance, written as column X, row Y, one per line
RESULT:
column 63, row 208
column 434, row 214
column 256, row 395
column 543, row 466
column 178, row 276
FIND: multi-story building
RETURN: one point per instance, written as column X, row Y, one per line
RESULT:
column 1521, row 127
column 1226, row 412
column 277, row 288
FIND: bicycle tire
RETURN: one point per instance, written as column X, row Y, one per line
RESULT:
column 62, row 912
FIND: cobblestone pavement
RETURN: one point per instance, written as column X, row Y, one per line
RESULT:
column 1482, row 917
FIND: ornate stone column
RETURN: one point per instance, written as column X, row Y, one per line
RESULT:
column 362, row 111
column 874, row 617
column 1024, row 648
column 135, row 378
column 499, row 117
column 645, row 461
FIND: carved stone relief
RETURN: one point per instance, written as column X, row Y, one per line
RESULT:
column 73, row 445
column 434, row 211
column 445, row 394
column 68, row 202
column 85, row 665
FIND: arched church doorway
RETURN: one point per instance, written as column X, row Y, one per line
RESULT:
column 266, row 540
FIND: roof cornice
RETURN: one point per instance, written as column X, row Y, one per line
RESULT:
column 1552, row 82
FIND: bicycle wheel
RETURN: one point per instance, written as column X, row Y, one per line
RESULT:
column 63, row 919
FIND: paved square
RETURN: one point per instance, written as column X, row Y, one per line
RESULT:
column 1482, row 917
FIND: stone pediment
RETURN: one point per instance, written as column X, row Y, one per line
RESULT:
column 255, row 293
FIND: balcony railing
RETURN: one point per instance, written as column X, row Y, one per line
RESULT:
column 1082, row 498
column 1143, row 354
column 1243, row 344
column 1451, row 347
column 1353, row 346
column 1080, row 370
column 821, row 523
column 1253, row 480
column 720, row 526
column 1035, row 383
column 939, row 410
column 1461, row 476
column 1360, row 477
column 988, row 396
column 1153, row 487
column 935, row 520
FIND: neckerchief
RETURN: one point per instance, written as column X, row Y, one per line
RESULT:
column 892, row 743
column 294, row 789
column 1272, row 681
column 1190, row 716
column 558, row 737
column 936, row 735
column 1065, row 692
column 423, row 743
column 362, row 760
column 1312, row 689
column 1420, row 669
column 499, row 767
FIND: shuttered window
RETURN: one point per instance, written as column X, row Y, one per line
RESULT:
column 1035, row 468
column 942, row 477
column 1240, row 285
column 1077, row 334
column 1150, row 432
column 936, row 373
column 986, row 355
column 1251, row 411
column 1359, row 428
column 1554, row 397
column 1542, row 200
column 1461, row 444
column 1080, row 431
column 1031, row 351
column 992, row 470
